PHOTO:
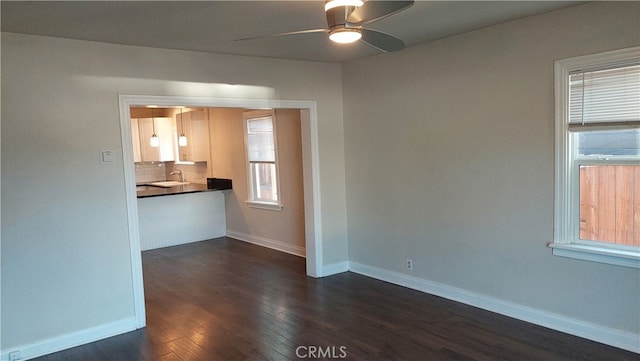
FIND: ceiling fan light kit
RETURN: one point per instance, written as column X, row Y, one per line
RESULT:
column 345, row 35
column 346, row 20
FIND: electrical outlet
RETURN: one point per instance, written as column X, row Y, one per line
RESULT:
column 409, row 264
column 14, row 356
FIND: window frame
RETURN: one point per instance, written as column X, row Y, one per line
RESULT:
column 566, row 232
column 252, row 201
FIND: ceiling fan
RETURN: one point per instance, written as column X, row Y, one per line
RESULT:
column 346, row 20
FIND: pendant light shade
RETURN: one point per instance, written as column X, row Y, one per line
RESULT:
column 155, row 141
column 182, row 139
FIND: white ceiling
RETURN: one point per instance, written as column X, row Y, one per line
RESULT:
column 213, row 26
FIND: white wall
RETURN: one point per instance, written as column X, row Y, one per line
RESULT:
column 450, row 158
column 65, row 246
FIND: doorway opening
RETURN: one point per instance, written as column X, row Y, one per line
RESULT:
column 310, row 167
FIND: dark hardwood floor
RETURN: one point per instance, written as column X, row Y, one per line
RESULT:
column 224, row 299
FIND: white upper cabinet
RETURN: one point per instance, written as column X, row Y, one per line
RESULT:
column 164, row 130
column 195, row 126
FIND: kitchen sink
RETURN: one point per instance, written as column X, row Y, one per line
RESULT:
column 168, row 184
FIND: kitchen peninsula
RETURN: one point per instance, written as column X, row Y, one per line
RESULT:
column 180, row 218
column 172, row 215
column 177, row 202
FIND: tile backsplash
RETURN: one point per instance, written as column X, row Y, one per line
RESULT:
column 194, row 173
column 150, row 172
column 160, row 171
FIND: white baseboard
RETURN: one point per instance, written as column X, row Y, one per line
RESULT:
column 613, row 337
column 72, row 339
column 327, row 270
column 334, row 268
column 269, row 243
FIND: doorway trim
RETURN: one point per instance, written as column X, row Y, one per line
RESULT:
column 311, row 176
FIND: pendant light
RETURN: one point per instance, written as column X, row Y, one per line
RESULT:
column 155, row 141
column 182, row 139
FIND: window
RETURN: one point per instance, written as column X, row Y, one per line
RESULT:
column 597, row 194
column 262, row 160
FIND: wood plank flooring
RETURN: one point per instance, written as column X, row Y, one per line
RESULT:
column 224, row 299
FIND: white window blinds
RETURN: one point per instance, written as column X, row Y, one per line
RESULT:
column 260, row 140
column 605, row 99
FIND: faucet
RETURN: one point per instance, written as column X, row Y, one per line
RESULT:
column 178, row 172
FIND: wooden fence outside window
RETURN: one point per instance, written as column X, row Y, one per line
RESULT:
column 610, row 203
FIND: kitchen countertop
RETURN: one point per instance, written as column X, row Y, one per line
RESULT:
column 146, row 191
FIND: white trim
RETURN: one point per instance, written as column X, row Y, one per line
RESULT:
column 264, row 205
column 597, row 254
column 309, row 117
column 311, row 179
column 135, row 252
column 566, row 183
column 335, row 268
column 561, row 232
column 72, row 339
column 610, row 336
column 268, row 243
column 608, row 59
column 246, row 117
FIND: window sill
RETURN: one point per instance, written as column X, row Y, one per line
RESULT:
column 597, row 254
column 264, row 205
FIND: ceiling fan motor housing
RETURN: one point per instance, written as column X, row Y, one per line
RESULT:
column 337, row 17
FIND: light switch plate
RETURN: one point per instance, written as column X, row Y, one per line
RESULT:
column 107, row 156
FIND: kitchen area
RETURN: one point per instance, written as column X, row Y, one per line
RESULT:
column 178, row 199
column 191, row 175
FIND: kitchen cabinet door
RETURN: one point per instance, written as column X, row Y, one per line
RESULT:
column 195, row 126
column 183, row 127
column 164, row 130
column 200, row 134
column 147, row 152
